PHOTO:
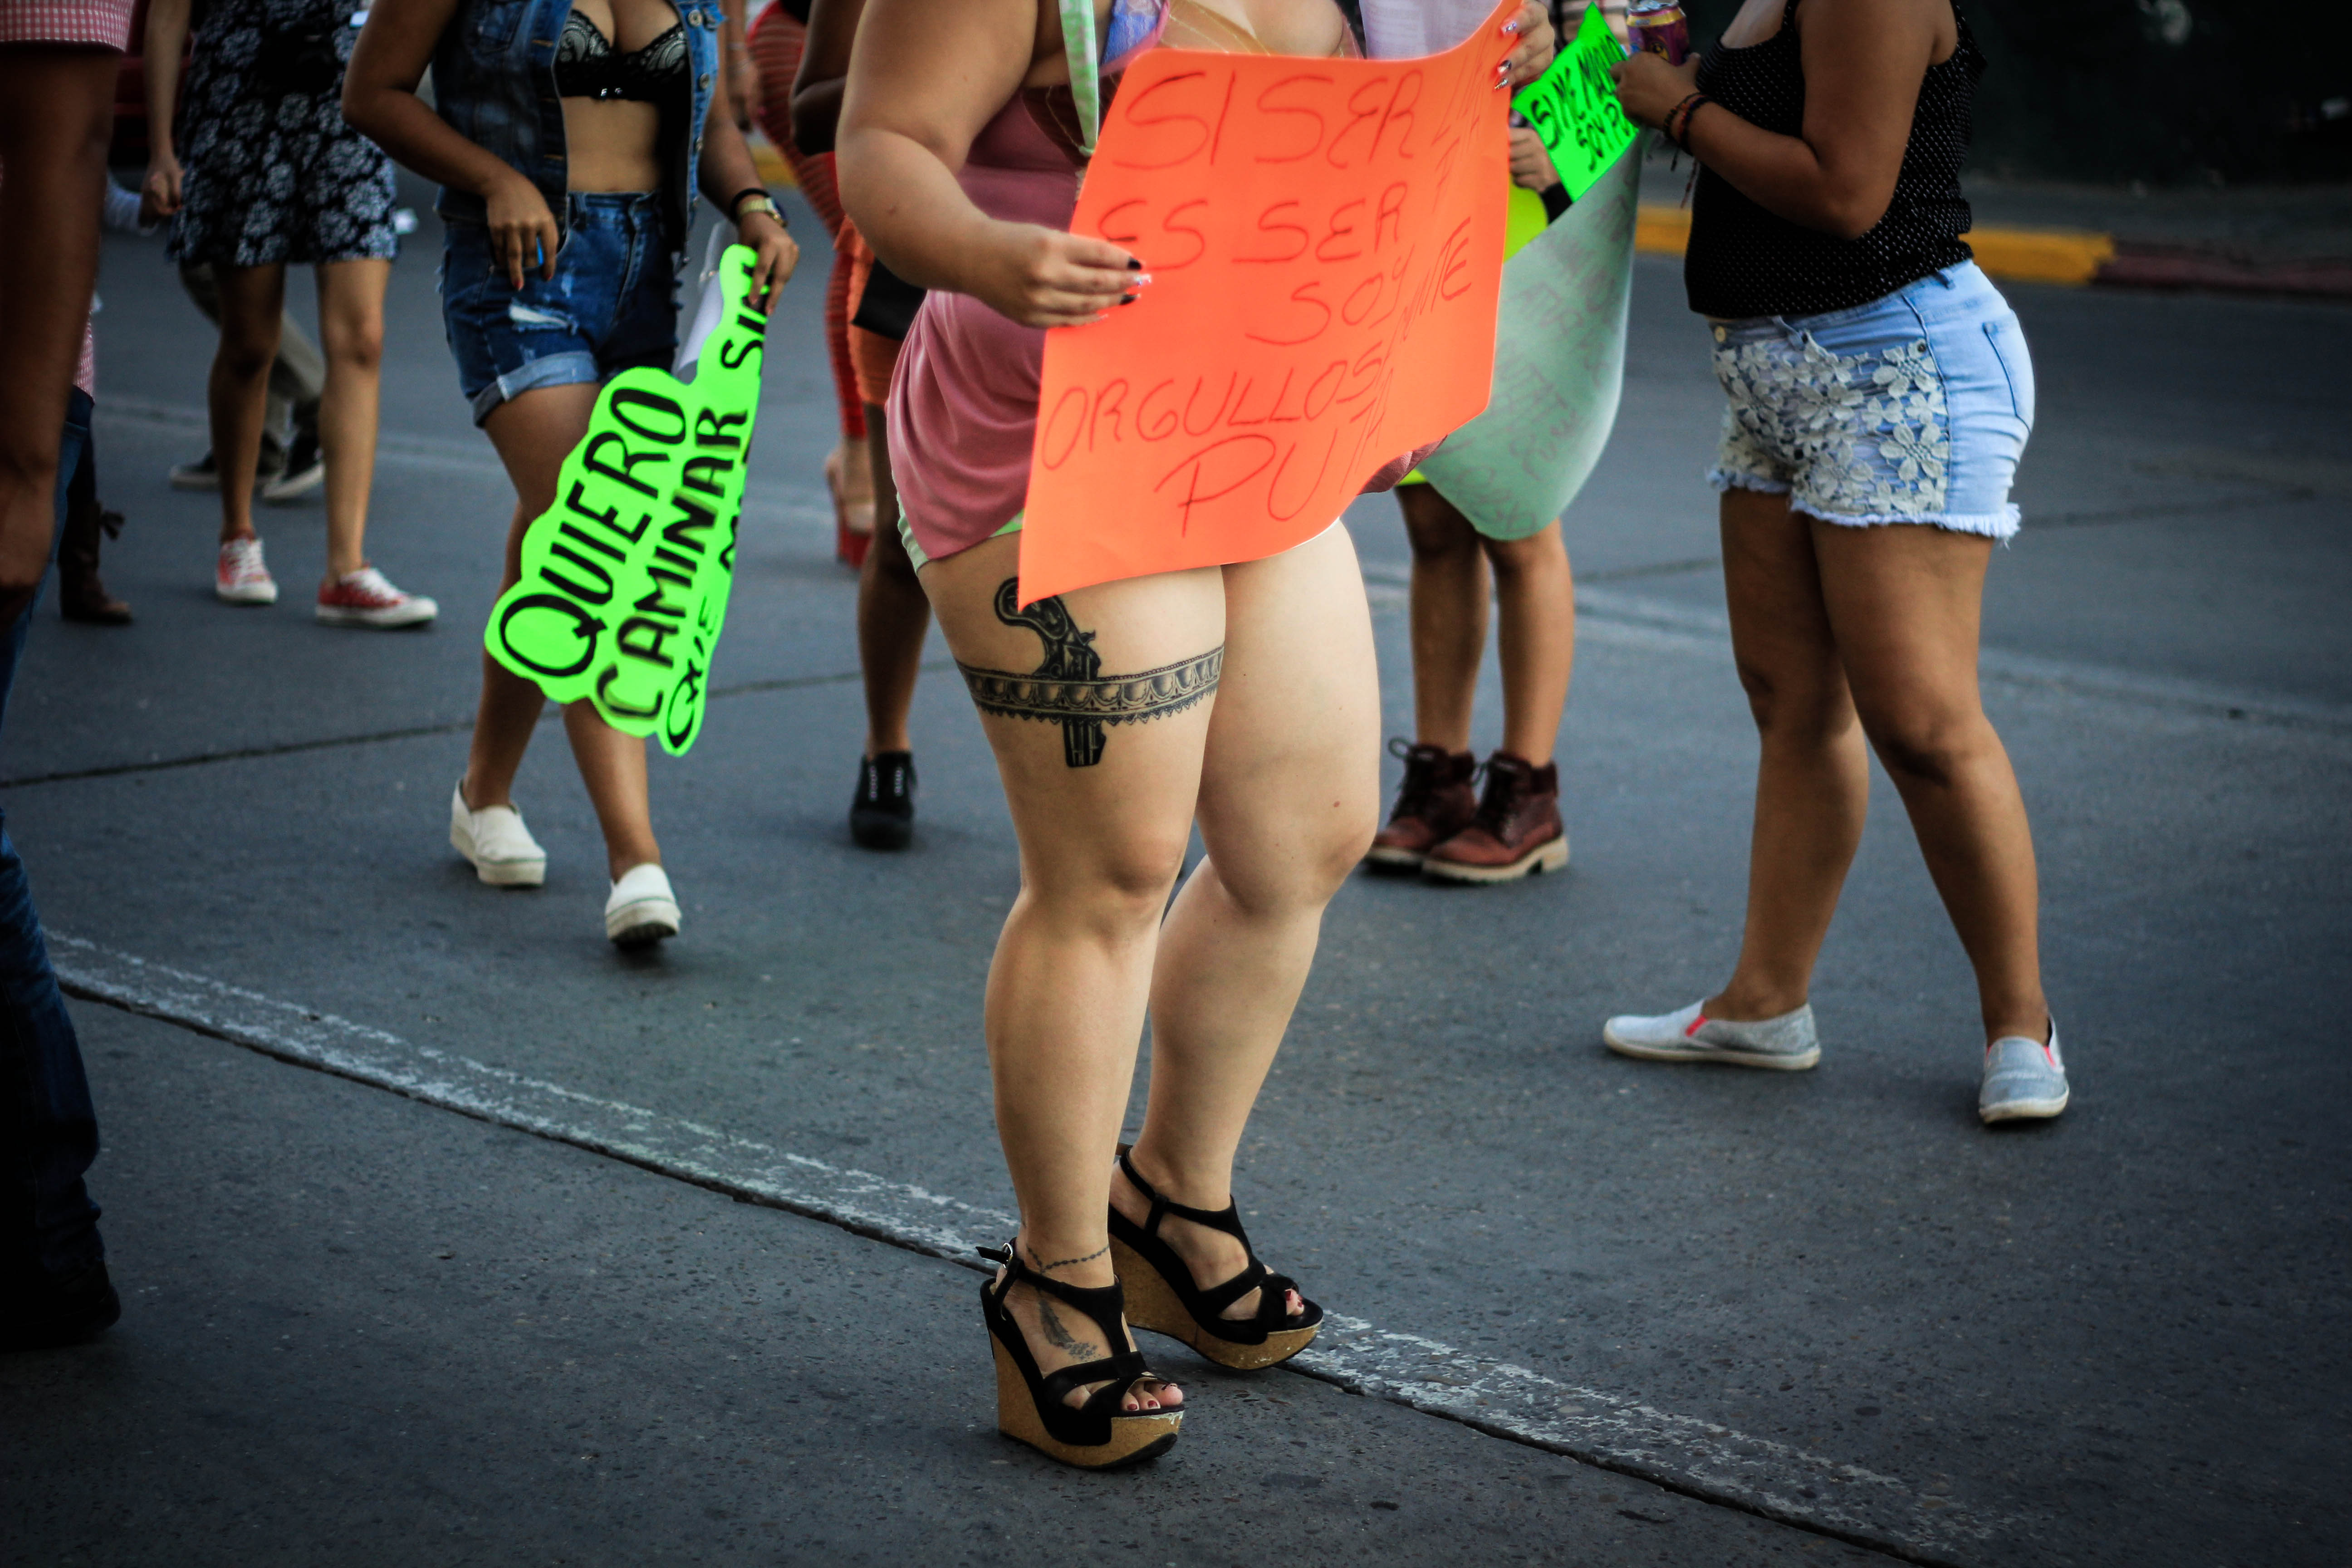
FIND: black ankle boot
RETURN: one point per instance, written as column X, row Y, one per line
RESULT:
column 81, row 594
column 882, row 816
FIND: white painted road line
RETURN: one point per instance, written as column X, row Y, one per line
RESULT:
column 1697, row 1458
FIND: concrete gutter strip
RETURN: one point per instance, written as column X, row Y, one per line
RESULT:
column 2075, row 257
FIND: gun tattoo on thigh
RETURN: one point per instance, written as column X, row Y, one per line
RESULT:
column 1070, row 688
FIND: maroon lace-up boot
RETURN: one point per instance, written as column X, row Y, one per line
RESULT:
column 1516, row 833
column 1436, row 801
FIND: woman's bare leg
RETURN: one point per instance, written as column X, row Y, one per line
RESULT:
column 1101, row 845
column 1289, row 800
column 1906, row 603
column 351, row 327
column 57, row 107
column 533, row 434
column 1449, row 616
column 1535, row 600
column 1813, row 775
column 251, row 300
column 893, row 614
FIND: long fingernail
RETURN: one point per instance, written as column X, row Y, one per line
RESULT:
column 1139, row 282
column 1134, row 265
column 1130, row 299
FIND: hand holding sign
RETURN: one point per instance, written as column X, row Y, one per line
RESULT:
column 1325, row 238
column 1574, row 109
column 625, row 580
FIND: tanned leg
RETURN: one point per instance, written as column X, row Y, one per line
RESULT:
column 351, row 322
column 56, row 113
column 533, row 434
column 1102, row 815
column 893, row 614
column 1535, row 599
column 1289, row 799
column 1906, row 603
column 1812, row 775
column 251, row 300
column 1449, row 616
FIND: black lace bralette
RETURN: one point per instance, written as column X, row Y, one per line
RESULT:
column 587, row 66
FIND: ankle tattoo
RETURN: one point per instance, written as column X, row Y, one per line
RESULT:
column 1048, row 1267
column 1070, row 688
column 1077, row 1346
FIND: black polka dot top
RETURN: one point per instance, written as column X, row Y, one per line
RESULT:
column 1744, row 261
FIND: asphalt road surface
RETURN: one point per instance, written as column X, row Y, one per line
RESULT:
column 574, row 1259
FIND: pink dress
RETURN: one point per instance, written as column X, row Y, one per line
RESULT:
column 963, row 404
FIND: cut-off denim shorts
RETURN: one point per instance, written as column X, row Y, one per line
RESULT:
column 1913, row 409
column 611, row 306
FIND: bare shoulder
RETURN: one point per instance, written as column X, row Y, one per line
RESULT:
column 1881, row 29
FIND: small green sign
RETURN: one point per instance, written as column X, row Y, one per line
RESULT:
column 625, row 580
column 1574, row 107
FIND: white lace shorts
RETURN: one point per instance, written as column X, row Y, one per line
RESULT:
column 1913, row 409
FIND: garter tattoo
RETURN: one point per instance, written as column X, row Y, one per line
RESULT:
column 1070, row 688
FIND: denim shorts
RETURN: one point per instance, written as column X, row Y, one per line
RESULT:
column 1913, row 409
column 611, row 306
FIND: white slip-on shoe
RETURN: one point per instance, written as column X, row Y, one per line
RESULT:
column 1787, row 1042
column 642, row 910
column 494, row 839
column 2024, row 1079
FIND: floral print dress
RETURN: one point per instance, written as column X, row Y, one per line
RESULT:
column 272, row 171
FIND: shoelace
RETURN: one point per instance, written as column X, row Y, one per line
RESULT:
column 1500, row 796
column 1420, row 785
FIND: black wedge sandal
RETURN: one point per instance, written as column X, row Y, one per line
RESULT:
column 1030, row 1405
column 1165, row 1299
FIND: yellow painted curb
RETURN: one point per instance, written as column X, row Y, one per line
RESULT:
column 771, row 163
column 2041, row 255
column 2024, row 255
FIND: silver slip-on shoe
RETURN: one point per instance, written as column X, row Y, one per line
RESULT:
column 2024, row 1079
column 1787, row 1043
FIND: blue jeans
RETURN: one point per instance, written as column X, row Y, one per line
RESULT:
column 1912, row 408
column 612, row 305
column 48, row 1134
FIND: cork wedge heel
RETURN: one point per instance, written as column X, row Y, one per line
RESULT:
column 1031, row 1406
column 1161, row 1297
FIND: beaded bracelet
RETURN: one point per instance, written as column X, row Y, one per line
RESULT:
column 1687, row 108
column 1667, row 124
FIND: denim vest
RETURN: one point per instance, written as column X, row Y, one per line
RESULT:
column 494, row 82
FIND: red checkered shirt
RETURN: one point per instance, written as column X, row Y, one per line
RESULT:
column 106, row 23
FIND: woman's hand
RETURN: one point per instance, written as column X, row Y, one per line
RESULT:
column 1538, row 44
column 777, row 256
column 1045, row 278
column 159, row 195
column 523, row 237
column 1531, row 164
column 1648, row 87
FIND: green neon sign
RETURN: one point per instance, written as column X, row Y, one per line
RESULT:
column 1573, row 107
column 625, row 579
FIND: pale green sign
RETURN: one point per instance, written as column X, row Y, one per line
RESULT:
column 625, row 580
column 1574, row 109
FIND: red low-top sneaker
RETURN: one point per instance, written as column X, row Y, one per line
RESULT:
column 366, row 599
column 238, row 575
column 1516, row 832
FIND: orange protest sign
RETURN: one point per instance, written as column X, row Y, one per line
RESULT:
column 1325, row 238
